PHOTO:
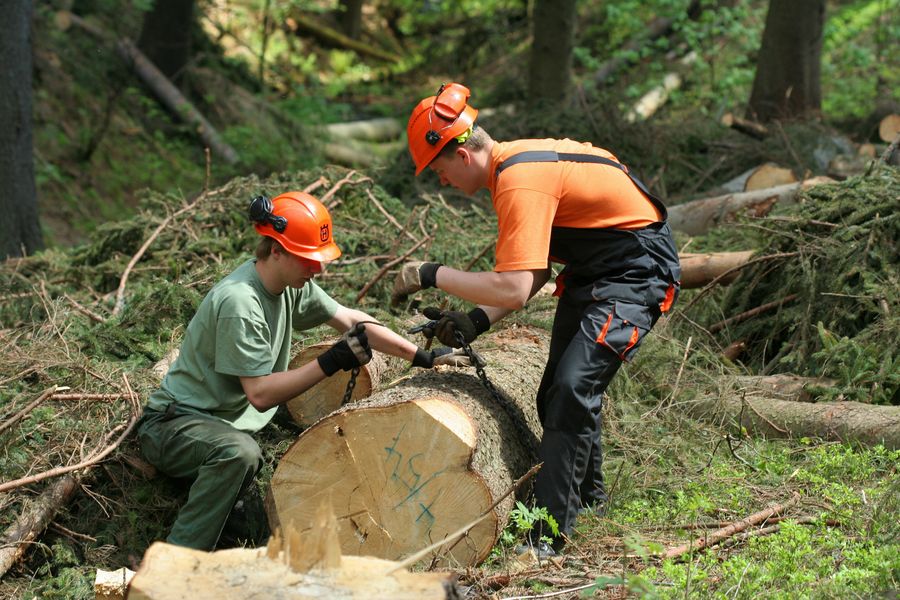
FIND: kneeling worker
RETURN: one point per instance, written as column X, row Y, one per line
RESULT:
column 232, row 370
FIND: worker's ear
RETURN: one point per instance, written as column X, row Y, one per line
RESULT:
column 465, row 155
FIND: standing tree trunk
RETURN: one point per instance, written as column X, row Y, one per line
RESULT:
column 550, row 71
column 788, row 67
column 20, row 230
column 350, row 16
column 421, row 460
column 166, row 36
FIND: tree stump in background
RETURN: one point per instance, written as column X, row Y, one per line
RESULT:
column 422, row 459
column 326, row 396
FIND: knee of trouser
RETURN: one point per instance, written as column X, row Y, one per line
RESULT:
column 243, row 454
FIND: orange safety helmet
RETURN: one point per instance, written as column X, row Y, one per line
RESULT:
column 436, row 120
column 298, row 222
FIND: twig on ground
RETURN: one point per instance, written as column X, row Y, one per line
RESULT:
column 730, row 530
column 83, row 310
column 389, row 216
column 19, row 415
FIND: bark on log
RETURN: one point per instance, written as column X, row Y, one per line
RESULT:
column 699, row 216
column 422, row 459
column 168, row 94
column 841, row 421
column 784, row 386
column 697, row 270
column 326, row 397
column 33, row 520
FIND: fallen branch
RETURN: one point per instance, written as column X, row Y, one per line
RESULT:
column 334, row 189
column 94, row 458
column 297, row 22
column 749, row 314
column 726, row 532
column 745, row 126
column 19, row 415
column 83, row 310
column 170, row 96
column 389, row 216
column 31, row 523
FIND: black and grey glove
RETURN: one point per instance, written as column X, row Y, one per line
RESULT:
column 351, row 351
column 413, row 276
column 448, row 322
column 442, row 356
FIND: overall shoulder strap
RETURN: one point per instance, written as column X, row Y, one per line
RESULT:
column 532, row 156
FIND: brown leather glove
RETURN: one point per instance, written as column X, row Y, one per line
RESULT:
column 413, row 276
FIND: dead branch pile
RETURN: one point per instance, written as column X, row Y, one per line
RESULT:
column 833, row 308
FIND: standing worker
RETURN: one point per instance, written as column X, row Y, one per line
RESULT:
column 556, row 201
column 232, row 370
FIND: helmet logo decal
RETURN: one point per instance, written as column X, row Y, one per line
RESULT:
column 324, row 232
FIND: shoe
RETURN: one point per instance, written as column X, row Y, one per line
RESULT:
column 542, row 550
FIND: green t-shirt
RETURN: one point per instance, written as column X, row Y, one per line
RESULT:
column 240, row 330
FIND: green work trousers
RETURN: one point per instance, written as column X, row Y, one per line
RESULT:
column 220, row 460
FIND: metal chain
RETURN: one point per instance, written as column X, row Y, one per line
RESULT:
column 351, row 383
column 511, row 410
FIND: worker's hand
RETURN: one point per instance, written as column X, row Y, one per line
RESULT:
column 351, row 351
column 413, row 276
column 444, row 356
column 449, row 322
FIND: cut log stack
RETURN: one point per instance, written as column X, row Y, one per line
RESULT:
column 422, row 459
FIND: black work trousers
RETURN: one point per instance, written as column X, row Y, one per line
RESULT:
column 589, row 341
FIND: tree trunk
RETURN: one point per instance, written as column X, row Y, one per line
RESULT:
column 351, row 17
column 372, row 130
column 298, row 23
column 841, row 421
column 787, row 82
column 20, row 229
column 550, row 70
column 166, row 36
column 698, row 270
column 699, row 216
column 422, row 459
column 784, row 386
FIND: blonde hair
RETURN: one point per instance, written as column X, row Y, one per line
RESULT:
column 264, row 247
column 478, row 139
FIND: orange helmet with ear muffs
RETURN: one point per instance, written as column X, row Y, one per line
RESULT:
column 299, row 222
column 436, row 120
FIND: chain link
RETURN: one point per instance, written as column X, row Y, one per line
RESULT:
column 351, row 383
column 512, row 411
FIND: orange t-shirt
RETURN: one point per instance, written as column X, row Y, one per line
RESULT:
column 532, row 198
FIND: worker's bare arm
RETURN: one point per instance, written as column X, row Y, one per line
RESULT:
column 381, row 338
column 509, row 290
column 270, row 390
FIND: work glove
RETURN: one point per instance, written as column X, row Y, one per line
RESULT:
column 444, row 356
column 351, row 351
column 413, row 276
column 448, row 322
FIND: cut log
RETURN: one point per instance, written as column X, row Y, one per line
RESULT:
column 653, row 100
column 784, row 386
column 699, row 216
column 327, row 396
column 357, row 153
column 372, row 130
column 420, row 460
column 770, row 417
column 112, row 585
column 745, row 126
column 698, row 270
column 769, row 175
column 889, row 128
column 298, row 568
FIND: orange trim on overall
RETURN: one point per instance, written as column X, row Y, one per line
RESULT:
column 635, row 336
column 560, row 285
column 667, row 302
